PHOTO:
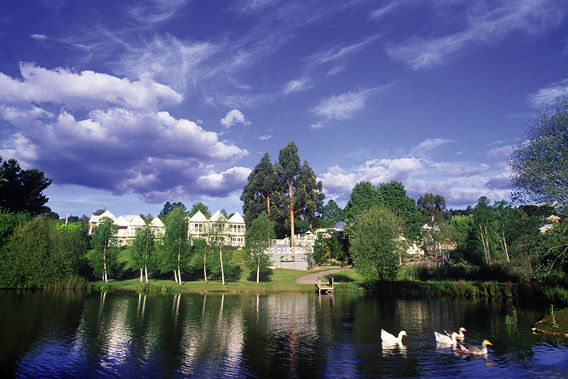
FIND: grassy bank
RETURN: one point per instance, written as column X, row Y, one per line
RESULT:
column 281, row 281
column 555, row 323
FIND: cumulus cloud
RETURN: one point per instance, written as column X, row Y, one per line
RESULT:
column 460, row 184
column 87, row 89
column 339, row 184
column 99, row 131
column 234, row 117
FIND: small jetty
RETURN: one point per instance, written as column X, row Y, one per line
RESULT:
column 325, row 287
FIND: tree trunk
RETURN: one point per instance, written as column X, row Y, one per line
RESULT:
column 221, row 260
column 146, row 272
column 105, row 277
column 179, row 259
column 487, row 242
column 290, row 192
column 205, row 265
column 141, row 274
column 505, row 247
column 268, row 204
column 258, row 270
column 175, row 276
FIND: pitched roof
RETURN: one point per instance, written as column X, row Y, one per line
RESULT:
column 217, row 216
column 198, row 217
column 157, row 222
column 237, row 219
column 96, row 218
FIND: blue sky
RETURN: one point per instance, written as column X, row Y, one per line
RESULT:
column 129, row 104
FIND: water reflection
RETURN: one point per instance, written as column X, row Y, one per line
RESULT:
column 261, row 335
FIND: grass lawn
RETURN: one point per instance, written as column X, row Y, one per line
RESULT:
column 281, row 281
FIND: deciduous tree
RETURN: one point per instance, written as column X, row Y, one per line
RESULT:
column 432, row 207
column 176, row 244
column 540, row 162
column 362, row 197
column 374, row 239
column 143, row 248
column 258, row 240
column 103, row 257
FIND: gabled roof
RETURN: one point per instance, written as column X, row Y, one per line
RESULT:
column 237, row 219
column 137, row 221
column 198, row 217
column 157, row 223
column 121, row 221
column 95, row 218
column 217, row 216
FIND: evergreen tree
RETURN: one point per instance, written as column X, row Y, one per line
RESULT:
column 259, row 193
column 22, row 190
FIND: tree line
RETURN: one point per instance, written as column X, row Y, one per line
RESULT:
column 509, row 240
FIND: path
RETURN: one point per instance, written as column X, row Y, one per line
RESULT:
column 313, row 278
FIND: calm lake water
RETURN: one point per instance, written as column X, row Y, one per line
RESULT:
column 117, row 334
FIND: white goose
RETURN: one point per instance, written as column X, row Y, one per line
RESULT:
column 445, row 339
column 389, row 338
column 460, row 334
column 473, row 350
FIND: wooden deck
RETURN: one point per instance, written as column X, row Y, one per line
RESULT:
column 325, row 287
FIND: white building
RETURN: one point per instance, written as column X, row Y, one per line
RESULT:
column 217, row 226
column 232, row 230
column 127, row 226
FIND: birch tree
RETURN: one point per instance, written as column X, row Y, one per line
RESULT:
column 176, row 243
column 143, row 248
column 258, row 240
column 103, row 257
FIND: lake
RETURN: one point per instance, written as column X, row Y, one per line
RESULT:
column 298, row 335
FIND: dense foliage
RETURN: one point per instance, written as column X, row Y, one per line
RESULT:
column 287, row 191
column 374, row 243
column 22, row 190
column 38, row 252
column 540, row 163
column 258, row 240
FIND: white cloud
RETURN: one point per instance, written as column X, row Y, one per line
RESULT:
column 486, row 24
column 234, row 117
column 87, row 89
column 339, row 52
column 547, row 95
column 122, row 144
column 39, row 37
column 500, row 151
column 297, row 85
column 380, row 12
column 460, row 184
column 342, row 107
column 428, row 145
